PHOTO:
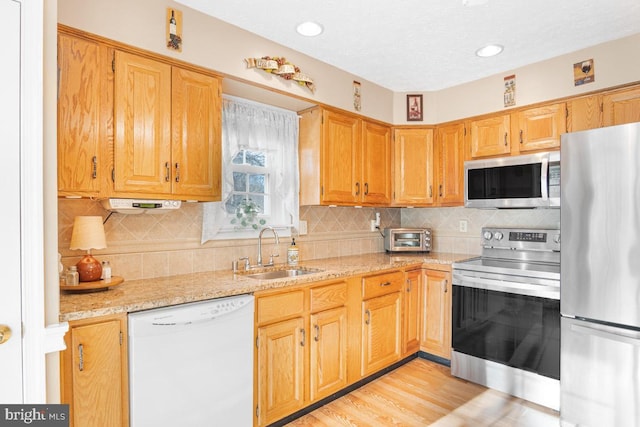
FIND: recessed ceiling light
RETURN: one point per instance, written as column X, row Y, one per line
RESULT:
column 489, row 50
column 309, row 29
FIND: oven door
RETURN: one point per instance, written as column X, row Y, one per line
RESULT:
column 521, row 331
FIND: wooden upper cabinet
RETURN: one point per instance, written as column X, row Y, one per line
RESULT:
column 196, row 142
column 584, row 113
column 344, row 160
column 340, row 159
column 376, row 164
column 539, row 128
column 142, row 125
column 413, row 167
column 84, row 100
column 491, row 136
column 621, row 107
column 167, row 131
column 450, row 157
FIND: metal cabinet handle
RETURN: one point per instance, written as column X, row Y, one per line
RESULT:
column 505, row 139
column 520, row 136
column 357, row 188
column 5, row 333
column 317, row 337
column 385, row 284
column 368, row 314
column 366, row 188
column 94, row 167
column 304, row 337
column 80, row 357
column 167, row 173
column 177, row 172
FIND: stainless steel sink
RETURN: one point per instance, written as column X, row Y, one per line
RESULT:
column 280, row 274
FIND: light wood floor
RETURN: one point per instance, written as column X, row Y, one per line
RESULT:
column 423, row 393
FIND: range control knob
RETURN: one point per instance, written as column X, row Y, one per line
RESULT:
column 498, row 235
column 487, row 235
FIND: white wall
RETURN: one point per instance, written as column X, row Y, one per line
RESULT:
column 615, row 63
column 221, row 47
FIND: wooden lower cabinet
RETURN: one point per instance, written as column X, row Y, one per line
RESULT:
column 436, row 324
column 301, row 356
column 94, row 372
column 280, row 369
column 411, row 315
column 381, row 321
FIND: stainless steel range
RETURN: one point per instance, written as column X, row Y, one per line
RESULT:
column 506, row 314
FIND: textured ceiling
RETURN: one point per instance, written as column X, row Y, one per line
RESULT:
column 426, row 45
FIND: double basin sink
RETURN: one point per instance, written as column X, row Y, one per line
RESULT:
column 282, row 273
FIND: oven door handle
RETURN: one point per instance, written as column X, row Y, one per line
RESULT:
column 543, row 291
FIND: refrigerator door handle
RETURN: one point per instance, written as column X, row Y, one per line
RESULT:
column 610, row 333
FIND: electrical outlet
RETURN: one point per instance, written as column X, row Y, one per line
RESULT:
column 463, row 225
column 302, row 228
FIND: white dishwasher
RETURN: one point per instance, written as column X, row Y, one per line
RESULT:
column 192, row 364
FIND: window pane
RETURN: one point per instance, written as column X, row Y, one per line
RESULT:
column 256, row 158
column 258, row 201
column 233, row 202
column 239, row 181
column 238, row 159
column 256, row 183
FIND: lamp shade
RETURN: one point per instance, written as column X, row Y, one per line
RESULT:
column 88, row 233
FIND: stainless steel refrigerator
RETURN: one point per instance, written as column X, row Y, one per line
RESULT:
column 600, row 277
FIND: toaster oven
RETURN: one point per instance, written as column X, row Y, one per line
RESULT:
column 407, row 239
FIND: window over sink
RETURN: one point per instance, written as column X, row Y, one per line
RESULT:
column 260, row 172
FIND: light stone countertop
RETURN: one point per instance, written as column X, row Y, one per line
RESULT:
column 137, row 295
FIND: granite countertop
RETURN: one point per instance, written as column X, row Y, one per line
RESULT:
column 137, row 295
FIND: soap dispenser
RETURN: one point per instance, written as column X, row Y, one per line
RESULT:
column 292, row 253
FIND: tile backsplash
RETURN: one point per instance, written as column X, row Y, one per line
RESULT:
column 156, row 245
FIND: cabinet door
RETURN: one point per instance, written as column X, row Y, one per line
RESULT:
column 411, row 313
column 328, row 360
column 84, row 96
column 621, row 107
column 584, row 113
column 540, row 128
column 94, row 374
column 142, row 145
column 490, row 136
column 413, row 167
column 376, row 164
column 280, row 369
column 449, row 155
column 381, row 328
column 340, row 160
column 196, row 144
column 436, row 325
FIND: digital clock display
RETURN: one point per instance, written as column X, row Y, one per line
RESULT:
column 147, row 205
column 527, row 236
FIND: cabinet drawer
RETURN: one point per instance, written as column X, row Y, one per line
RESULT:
column 329, row 296
column 381, row 284
column 280, row 306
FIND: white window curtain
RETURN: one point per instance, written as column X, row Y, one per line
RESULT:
column 251, row 126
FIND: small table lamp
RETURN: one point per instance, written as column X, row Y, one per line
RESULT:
column 88, row 233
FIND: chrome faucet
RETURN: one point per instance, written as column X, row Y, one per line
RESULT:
column 259, row 262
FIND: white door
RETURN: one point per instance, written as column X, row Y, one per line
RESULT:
column 11, row 390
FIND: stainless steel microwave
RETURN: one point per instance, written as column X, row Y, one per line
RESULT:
column 529, row 181
column 407, row 239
